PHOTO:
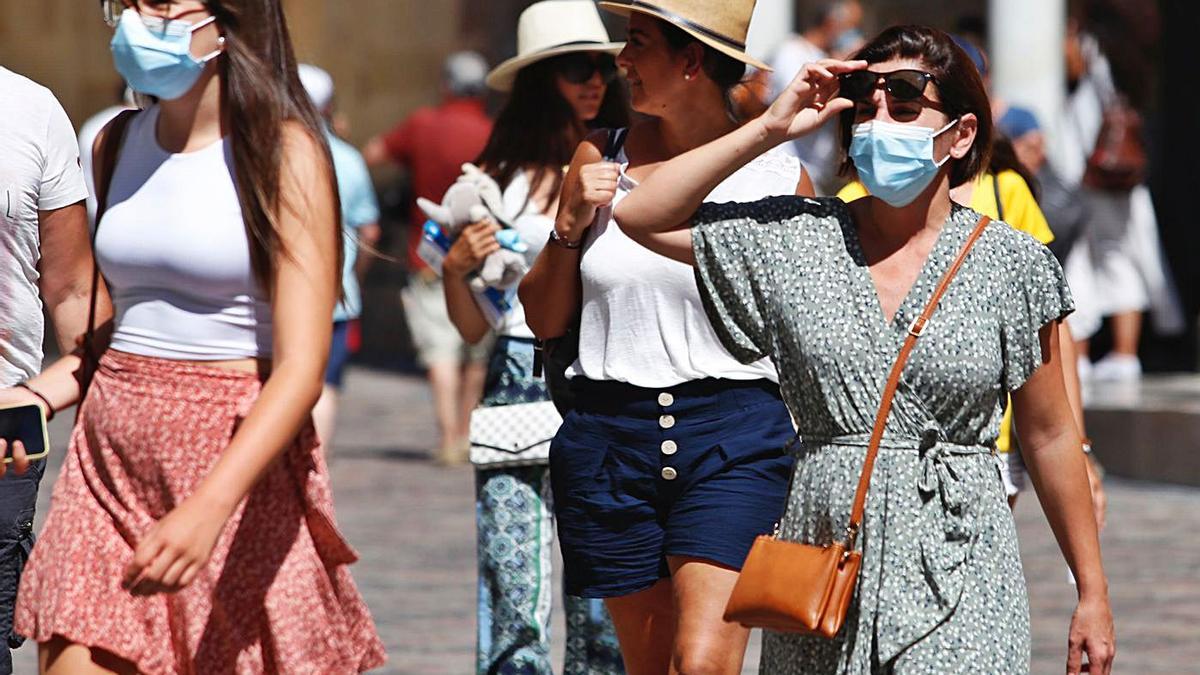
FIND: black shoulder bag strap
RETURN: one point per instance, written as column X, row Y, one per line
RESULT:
column 996, row 191
column 109, row 149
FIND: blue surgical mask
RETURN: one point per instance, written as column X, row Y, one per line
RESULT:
column 895, row 161
column 154, row 54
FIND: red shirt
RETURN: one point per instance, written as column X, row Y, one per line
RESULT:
column 433, row 143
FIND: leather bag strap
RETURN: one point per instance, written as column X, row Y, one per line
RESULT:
column 893, row 382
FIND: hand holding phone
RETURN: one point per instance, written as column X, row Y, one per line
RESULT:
column 23, row 436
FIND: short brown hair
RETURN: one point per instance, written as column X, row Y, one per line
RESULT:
column 958, row 83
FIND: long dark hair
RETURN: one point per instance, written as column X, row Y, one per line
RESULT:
column 261, row 91
column 958, row 83
column 537, row 128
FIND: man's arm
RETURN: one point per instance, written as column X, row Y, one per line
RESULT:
column 65, row 272
column 394, row 146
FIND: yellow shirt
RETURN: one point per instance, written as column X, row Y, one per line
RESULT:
column 1021, row 211
column 1020, row 208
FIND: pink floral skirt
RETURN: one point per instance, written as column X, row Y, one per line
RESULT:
column 276, row 597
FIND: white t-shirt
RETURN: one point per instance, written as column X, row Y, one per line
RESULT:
column 534, row 228
column 39, row 171
column 642, row 320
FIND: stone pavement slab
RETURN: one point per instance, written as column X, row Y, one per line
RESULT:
column 413, row 524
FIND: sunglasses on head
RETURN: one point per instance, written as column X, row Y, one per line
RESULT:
column 901, row 85
column 579, row 68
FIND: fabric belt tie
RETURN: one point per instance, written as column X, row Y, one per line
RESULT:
column 946, row 536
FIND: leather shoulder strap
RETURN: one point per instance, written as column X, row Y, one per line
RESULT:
column 893, row 381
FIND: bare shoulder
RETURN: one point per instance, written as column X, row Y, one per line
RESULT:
column 123, row 117
column 592, row 147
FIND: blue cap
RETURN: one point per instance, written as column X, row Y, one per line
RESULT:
column 1016, row 122
column 973, row 53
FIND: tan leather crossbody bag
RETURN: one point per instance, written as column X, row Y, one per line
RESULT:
column 804, row 588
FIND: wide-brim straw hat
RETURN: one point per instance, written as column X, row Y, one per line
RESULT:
column 550, row 28
column 720, row 24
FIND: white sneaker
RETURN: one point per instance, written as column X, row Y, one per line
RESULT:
column 1117, row 368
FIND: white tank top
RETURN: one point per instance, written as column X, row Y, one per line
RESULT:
column 534, row 228
column 642, row 320
column 173, row 249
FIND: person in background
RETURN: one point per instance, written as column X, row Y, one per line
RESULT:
column 1115, row 267
column 45, row 261
column 124, row 100
column 1064, row 210
column 432, row 144
column 826, row 26
column 561, row 83
column 360, row 225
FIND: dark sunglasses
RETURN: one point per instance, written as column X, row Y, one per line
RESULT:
column 579, row 68
column 901, row 85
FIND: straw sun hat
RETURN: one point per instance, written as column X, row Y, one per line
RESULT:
column 720, row 24
column 550, row 28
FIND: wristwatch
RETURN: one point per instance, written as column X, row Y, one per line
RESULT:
column 563, row 242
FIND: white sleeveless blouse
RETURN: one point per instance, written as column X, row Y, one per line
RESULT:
column 642, row 319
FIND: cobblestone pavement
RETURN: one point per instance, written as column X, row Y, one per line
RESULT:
column 412, row 523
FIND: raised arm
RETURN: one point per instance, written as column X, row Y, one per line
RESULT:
column 551, row 291
column 666, row 200
column 1050, row 444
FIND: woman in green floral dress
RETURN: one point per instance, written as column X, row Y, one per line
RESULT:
column 828, row 291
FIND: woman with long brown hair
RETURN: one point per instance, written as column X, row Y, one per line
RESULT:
column 560, row 84
column 192, row 526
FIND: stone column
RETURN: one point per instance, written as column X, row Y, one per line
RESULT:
column 1026, row 51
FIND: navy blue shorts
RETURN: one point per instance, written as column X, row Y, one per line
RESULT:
column 339, row 354
column 696, row 470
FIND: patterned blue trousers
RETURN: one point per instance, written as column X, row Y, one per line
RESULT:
column 514, row 516
column 516, row 526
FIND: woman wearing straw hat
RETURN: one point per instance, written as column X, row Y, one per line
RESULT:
column 673, row 459
column 560, row 83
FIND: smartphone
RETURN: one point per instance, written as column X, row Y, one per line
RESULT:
column 27, row 424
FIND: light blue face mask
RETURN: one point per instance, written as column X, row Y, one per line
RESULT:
column 895, row 161
column 154, row 54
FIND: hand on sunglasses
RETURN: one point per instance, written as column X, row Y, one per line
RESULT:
column 810, row 100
